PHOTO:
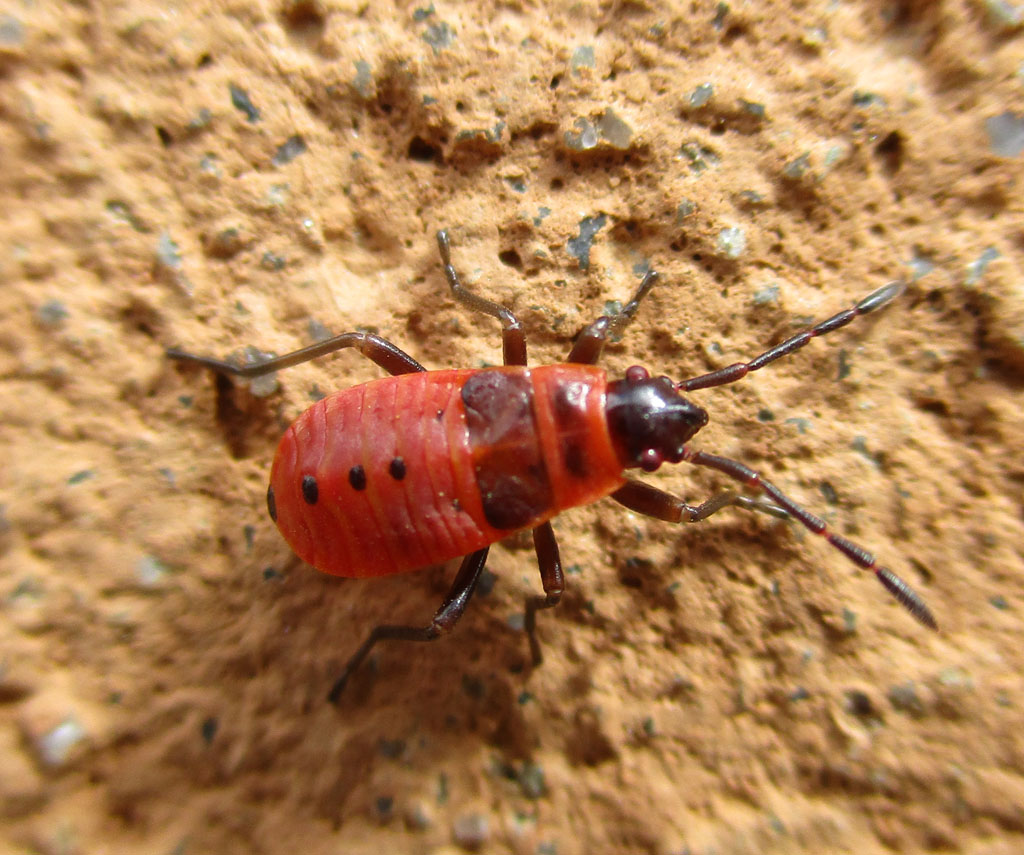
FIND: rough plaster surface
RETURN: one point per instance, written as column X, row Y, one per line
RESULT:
column 731, row 687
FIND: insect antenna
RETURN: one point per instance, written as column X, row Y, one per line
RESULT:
column 738, row 370
column 906, row 595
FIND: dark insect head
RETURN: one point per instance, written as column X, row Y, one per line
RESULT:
column 649, row 421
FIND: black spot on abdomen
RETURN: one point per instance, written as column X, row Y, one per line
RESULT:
column 310, row 489
column 357, row 477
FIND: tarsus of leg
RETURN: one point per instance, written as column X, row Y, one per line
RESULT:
column 444, row 619
column 388, row 356
column 513, row 340
column 650, row 501
column 590, row 343
column 899, row 589
column 620, row 321
column 739, row 370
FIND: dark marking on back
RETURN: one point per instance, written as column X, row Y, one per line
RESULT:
column 575, row 460
column 571, row 424
column 271, row 503
column 397, row 468
column 357, row 477
column 310, row 489
column 510, row 470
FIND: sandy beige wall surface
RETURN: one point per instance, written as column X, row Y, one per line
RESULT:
column 222, row 175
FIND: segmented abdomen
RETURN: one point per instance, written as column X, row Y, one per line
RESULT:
column 409, row 471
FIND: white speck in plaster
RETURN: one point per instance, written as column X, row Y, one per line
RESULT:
column 55, row 746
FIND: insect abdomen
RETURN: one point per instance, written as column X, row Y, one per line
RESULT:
column 409, row 471
column 385, row 460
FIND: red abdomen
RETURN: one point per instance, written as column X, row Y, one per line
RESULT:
column 409, row 471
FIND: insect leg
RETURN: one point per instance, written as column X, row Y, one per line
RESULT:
column 391, row 358
column 551, row 578
column 445, row 618
column 588, row 346
column 739, row 370
column 513, row 339
column 907, row 597
column 652, row 502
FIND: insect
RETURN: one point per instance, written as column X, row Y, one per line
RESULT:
column 420, row 467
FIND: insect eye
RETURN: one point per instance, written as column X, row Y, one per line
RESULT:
column 651, row 459
column 636, row 374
